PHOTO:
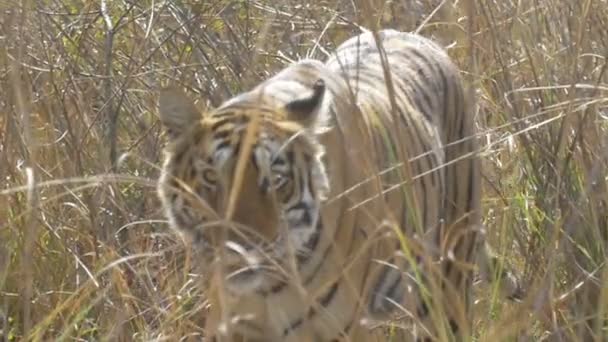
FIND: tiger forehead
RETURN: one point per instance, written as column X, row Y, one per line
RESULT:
column 236, row 120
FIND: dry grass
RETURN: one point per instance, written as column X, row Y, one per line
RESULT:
column 84, row 251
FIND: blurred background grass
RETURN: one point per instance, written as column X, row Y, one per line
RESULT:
column 85, row 253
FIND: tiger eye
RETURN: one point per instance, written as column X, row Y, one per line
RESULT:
column 279, row 180
column 210, row 176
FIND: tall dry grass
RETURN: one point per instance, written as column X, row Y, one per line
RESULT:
column 85, row 253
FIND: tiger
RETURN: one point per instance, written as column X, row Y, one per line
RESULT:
column 332, row 196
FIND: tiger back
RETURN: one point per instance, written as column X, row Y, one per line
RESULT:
column 331, row 196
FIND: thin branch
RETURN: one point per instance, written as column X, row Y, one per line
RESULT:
column 111, row 116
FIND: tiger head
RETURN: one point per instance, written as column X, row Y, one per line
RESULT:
column 246, row 178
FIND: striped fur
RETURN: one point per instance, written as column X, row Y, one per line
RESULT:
column 331, row 195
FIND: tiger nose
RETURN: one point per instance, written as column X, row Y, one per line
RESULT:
column 258, row 217
column 255, row 210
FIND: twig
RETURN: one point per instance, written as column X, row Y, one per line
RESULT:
column 111, row 116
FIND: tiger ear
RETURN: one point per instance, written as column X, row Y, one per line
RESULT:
column 305, row 110
column 177, row 111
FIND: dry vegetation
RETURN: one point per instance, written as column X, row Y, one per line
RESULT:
column 84, row 251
